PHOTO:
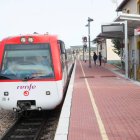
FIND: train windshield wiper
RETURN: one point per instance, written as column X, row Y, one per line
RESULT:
column 26, row 78
column 3, row 77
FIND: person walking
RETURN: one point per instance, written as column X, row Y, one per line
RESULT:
column 100, row 58
column 95, row 58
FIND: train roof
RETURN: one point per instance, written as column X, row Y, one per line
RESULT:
column 30, row 35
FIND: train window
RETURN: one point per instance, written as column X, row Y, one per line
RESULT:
column 30, row 60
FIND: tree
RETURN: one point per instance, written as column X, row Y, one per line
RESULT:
column 118, row 49
column 117, row 46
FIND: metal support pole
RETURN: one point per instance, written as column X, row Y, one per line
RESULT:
column 135, row 58
column 83, row 54
column 126, row 48
column 89, row 44
column 89, row 20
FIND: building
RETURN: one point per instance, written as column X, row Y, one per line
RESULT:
column 105, row 46
column 126, row 28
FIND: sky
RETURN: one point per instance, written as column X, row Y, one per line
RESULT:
column 64, row 18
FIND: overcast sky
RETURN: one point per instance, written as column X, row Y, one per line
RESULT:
column 65, row 18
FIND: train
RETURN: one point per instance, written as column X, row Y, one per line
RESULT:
column 35, row 70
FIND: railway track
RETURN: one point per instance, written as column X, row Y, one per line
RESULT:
column 35, row 126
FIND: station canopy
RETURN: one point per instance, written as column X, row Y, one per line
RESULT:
column 116, row 28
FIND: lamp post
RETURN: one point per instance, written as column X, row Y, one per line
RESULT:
column 88, row 25
column 84, row 46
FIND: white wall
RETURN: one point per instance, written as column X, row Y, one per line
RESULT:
column 107, row 50
column 131, row 6
column 110, row 53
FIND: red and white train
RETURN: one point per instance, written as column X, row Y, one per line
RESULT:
column 34, row 71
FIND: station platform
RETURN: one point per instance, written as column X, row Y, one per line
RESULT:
column 101, row 104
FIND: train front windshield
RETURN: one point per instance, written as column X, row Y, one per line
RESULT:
column 27, row 61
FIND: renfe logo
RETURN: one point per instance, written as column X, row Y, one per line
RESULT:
column 27, row 87
column 26, row 93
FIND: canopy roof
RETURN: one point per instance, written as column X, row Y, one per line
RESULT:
column 133, row 22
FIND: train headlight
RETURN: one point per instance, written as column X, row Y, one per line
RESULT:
column 23, row 39
column 30, row 40
column 6, row 93
column 48, row 93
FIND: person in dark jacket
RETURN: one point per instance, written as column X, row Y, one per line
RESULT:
column 95, row 57
column 100, row 58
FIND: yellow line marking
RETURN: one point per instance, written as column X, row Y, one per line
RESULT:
column 95, row 108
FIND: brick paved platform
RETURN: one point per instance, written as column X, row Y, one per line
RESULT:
column 105, row 106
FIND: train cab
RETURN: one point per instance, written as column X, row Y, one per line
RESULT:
column 33, row 72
